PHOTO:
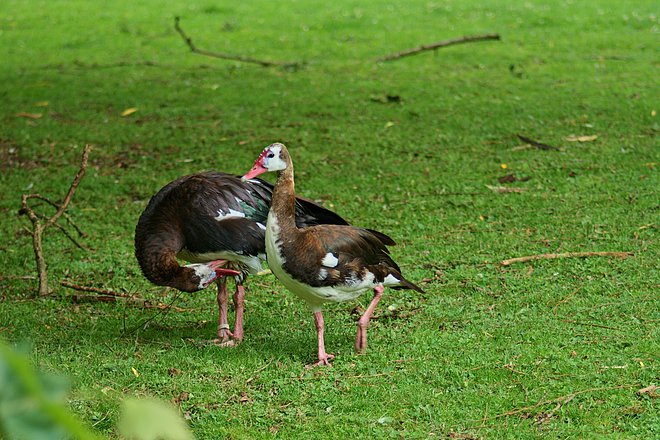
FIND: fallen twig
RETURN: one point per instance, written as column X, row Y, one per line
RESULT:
column 38, row 228
column 511, row 368
column 64, row 214
column 539, row 145
column 565, row 255
column 565, row 299
column 105, row 295
column 94, row 290
column 225, row 56
column 544, row 417
column 259, row 370
column 561, row 400
column 439, row 44
column 134, row 301
column 66, row 234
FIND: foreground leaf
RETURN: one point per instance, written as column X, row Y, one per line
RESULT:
column 150, row 419
column 33, row 405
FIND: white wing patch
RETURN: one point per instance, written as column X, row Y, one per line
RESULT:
column 232, row 213
column 323, row 274
column 330, row 260
column 261, row 226
column 391, row 280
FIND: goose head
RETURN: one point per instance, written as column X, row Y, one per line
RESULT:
column 275, row 157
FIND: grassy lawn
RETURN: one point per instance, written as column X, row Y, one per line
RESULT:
column 549, row 348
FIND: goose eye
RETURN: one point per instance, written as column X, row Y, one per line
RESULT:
column 270, row 155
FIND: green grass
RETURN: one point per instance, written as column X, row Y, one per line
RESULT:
column 484, row 341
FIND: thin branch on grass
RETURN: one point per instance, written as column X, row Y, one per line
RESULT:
column 259, row 370
column 133, row 301
column 439, row 44
column 66, row 234
column 38, row 228
column 225, row 56
column 562, row 400
column 161, row 311
column 485, row 417
column 511, row 368
column 565, row 299
column 511, row 261
column 64, row 214
column 550, row 414
column 110, row 296
column 94, row 290
column 537, row 144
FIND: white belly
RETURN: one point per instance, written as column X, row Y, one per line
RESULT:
column 252, row 263
column 314, row 296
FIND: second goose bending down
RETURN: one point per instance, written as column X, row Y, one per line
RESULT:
column 217, row 222
column 323, row 263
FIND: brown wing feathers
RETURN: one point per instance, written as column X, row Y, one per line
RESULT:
column 355, row 248
column 360, row 248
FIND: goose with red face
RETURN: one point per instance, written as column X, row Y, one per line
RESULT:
column 323, row 263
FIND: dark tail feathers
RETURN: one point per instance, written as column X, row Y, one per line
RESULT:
column 405, row 284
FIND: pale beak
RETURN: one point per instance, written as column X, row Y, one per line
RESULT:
column 256, row 170
column 221, row 271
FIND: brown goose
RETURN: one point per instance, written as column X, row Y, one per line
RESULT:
column 323, row 263
column 217, row 222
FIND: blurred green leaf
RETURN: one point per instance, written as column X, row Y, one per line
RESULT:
column 32, row 404
column 151, row 419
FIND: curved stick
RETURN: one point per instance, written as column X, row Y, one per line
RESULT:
column 439, row 44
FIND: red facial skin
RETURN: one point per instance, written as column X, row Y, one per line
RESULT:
column 258, row 167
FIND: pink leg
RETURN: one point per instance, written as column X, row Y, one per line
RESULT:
column 239, row 305
column 324, row 358
column 363, row 323
column 223, row 324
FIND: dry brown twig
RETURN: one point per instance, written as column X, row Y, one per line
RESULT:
column 559, row 401
column 105, row 295
column 565, row 299
column 439, row 44
column 225, row 56
column 94, row 290
column 565, row 255
column 39, row 227
column 66, row 216
column 537, row 144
